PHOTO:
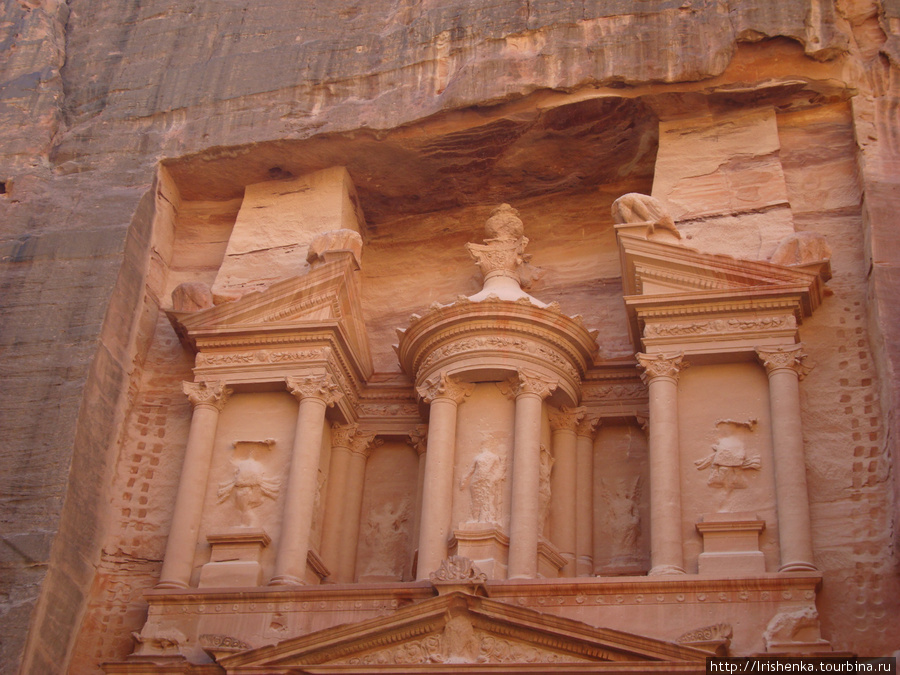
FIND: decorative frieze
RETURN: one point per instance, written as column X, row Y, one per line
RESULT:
column 720, row 326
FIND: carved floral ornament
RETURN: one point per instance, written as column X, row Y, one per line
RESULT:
column 565, row 418
column 527, row 383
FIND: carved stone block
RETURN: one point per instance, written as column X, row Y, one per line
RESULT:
column 731, row 544
column 234, row 560
column 485, row 545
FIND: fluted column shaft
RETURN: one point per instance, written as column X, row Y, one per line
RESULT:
column 530, row 392
column 360, row 447
column 444, row 393
column 208, row 399
column 564, row 483
column 336, row 497
column 785, row 368
column 315, row 393
column 584, row 487
column 661, row 375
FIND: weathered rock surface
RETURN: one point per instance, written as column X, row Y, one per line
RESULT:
column 439, row 111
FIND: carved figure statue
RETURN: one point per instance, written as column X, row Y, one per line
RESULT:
column 637, row 208
column 621, row 503
column 544, row 493
column 386, row 534
column 729, row 459
column 249, row 487
column 484, row 478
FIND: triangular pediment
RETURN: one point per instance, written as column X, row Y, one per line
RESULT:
column 657, row 268
column 327, row 298
column 462, row 630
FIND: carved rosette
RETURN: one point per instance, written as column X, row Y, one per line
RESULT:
column 211, row 394
column 314, row 386
column 444, row 386
column 565, row 418
column 654, row 366
column 784, row 358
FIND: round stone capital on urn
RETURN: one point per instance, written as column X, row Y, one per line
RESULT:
column 660, row 366
column 784, row 359
column 565, row 418
column 444, row 386
column 212, row 394
column 322, row 387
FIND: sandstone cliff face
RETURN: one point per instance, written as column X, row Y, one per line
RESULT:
column 459, row 105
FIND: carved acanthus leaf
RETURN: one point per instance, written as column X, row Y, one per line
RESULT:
column 458, row 569
column 342, row 434
column 524, row 383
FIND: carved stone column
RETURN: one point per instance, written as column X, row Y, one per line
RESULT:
column 336, row 497
column 316, row 393
column 444, row 394
column 530, row 392
column 785, row 368
column 208, row 399
column 360, row 447
column 418, row 439
column 563, row 510
column 660, row 373
column 584, row 487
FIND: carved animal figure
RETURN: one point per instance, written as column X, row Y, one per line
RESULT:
column 637, row 208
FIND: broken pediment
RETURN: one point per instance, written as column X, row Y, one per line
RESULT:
column 677, row 297
column 321, row 308
column 465, row 630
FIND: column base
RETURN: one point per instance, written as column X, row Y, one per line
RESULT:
column 286, row 580
column 167, row 584
column 798, row 566
column 661, row 570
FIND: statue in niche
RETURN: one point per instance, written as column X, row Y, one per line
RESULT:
column 622, row 502
column 729, row 459
column 386, row 538
column 249, row 487
column 484, row 478
column 544, row 493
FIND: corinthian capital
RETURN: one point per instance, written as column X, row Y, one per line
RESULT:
column 565, row 418
column 588, row 426
column 418, row 438
column 444, row 386
column 314, row 386
column 784, row 358
column 213, row 394
column 660, row 365
column 342, row 434
column 528, row 383
column 364, row 443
